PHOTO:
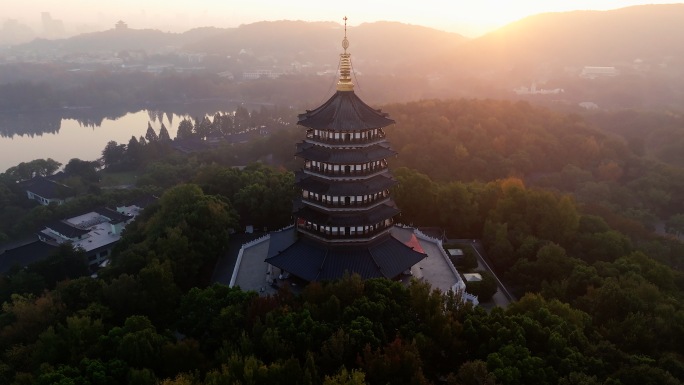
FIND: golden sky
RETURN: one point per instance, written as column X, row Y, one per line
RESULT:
column 471, row 18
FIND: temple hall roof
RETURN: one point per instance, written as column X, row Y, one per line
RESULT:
column 372, row 153
column 114, row 217
column 47, row 188
column 66, row 229
column 25, row 255
column 344, row 111
column 313, row 261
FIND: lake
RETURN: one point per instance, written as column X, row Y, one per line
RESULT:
column 83, row 134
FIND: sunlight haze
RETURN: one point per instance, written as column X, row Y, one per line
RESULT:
column 467, row 18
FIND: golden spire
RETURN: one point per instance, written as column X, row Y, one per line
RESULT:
column 345, row 82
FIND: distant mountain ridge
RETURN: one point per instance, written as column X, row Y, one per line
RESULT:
column 408, row 62
column 294, row 39
column 646, row 32
column 650, row 33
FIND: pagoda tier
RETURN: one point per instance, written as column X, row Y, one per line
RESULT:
column 345, row 138
column 346, row 155
column 357, row 190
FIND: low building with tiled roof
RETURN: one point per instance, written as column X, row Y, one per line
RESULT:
column 45, row 191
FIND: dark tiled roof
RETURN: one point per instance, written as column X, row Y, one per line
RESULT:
column 25, row 255
column 189, row 145
column 144, row 201
column 66, row 229
column 313, row 261
column 372, row 153
column 114, row 217
column 58, row 176
column 353, row 218
column 372, row 185
column 344, row 111
column 281, row 240
column 48, row 189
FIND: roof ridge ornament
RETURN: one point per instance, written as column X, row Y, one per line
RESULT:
column 345, row 82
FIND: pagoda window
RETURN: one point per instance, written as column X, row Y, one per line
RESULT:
column 305, row 194
column 347, row 169
column 336, row 167
column 347, row 137
column 347, row 201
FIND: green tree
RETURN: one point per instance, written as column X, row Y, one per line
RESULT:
column 113, row 153
column 37, row 167
column 164, row 134
column 83, row 169
column 65, row 263
column 345, row 377
column 134, row 151
column 484, row 289
column 150, row 135
column 675, row 225
column 184, row 129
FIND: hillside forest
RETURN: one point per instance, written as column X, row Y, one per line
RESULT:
column 578, row 213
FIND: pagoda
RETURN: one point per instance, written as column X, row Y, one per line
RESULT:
column 344, row 213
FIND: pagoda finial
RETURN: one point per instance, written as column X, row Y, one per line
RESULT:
column 345, row 82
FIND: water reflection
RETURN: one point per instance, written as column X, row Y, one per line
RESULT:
column 83, row 133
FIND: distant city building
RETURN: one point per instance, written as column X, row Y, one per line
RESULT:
column 533, row 90
column 120, row 25
column 52, row 28
column 263, row 73
column 596, row 72
column 589, row 105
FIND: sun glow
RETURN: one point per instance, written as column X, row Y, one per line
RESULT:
column 470, row 18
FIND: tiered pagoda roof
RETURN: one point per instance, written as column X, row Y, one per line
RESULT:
column 313, row 261
column 345, row 211
column 344, row 111
column 374, row 184
column 371, row 216
column 371, row 153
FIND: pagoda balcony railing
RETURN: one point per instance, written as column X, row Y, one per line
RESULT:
column 346, row 173
column 340, row 238
column 345, row 140
column 353, row 206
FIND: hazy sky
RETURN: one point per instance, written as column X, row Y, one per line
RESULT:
column 470, row 18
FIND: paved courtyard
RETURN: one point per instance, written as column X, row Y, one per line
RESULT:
column 254, row 274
